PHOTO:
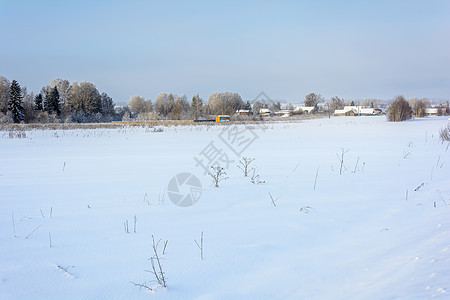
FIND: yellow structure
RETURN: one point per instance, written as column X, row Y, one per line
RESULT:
column 222, row 118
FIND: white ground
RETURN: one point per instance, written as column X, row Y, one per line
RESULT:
column 365, row 234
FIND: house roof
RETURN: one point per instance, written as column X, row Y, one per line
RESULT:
column 308, row 108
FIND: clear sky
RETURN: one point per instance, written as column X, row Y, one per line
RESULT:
column 351, row 49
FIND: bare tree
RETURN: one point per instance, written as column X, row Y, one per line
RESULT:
column 257, row 106
column 370, row 102
column 400, row 110
column 419, row 107
column 313, row 99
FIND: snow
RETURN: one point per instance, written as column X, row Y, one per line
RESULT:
column 365, row 234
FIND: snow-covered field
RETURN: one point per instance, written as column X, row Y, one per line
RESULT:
column 362, row 234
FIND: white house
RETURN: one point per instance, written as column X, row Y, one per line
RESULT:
column 432, row 111
column 265, row 112
column 243, row 112
column 304, row 109
column 283, row 113
column 358, row 111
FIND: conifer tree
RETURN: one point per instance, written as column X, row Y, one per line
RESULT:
column 51, row 102
column 38, row 102
column 15, row 102
column 54, row 104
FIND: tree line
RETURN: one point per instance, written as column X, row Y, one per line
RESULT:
column 178, row 107
column 59, row 101
column 62, row 101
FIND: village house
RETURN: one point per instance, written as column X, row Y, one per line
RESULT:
column 358, row 111
column 243, row 112
column 283, row 113
column 265, row 112
column 432, row 111
column 304, row 109
column 222, row 118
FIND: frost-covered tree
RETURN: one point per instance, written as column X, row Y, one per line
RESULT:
column 370, row 103
column 5, row 86
column 164, row 104
column 313, row 99
column 337, row 103
column 224, row 103
column 257, row 106
column 63, row 87
column 183, row 102
column 15, row 102
column 139, row 105
column 136, row 104
column 84, row 98
column 196, row 107
column 275, row 106
column 177, row 111
column 28, row 106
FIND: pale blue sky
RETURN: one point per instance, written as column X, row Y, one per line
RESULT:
column 352, row 49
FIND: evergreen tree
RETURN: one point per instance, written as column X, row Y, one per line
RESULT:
column 106, row 105
column 38, row 102
column 51, row 102
column 248, row 106
column 55, row 105
column 15, row 102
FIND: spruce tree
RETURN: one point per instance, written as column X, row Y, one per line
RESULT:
column 15, row 102
column 38, row 102
column 54, row 104
column 51, row 101
column 47, row 101
column 248, row 106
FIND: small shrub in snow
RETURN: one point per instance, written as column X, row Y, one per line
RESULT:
column 200, row 246
column 218, row 174
column 255, row 179
column 444, row 134
column 157, row 269
column 341, row 160
column 244, row 165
